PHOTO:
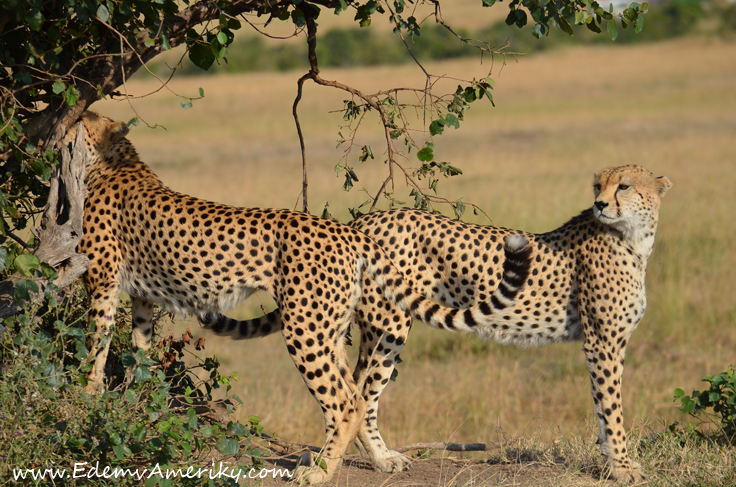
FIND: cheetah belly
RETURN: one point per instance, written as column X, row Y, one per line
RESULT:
column 179, row 295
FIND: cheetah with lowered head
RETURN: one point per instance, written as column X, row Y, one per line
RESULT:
column 196, row 257
column 586, row 282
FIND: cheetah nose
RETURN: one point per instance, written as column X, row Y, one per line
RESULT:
column 600, row 205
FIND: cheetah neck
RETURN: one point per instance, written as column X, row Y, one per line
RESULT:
column 639, row 238
column 102, row 170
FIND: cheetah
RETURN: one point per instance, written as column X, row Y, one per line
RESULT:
column 586, row 283
column 195, row 257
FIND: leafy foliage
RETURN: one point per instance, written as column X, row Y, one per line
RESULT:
column 720, row 397
column 47, row 421
column 342, row 47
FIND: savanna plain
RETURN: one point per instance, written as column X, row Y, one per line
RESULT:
column 528, row 163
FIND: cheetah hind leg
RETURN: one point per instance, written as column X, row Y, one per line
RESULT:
column 142, row 324
column 379, row 351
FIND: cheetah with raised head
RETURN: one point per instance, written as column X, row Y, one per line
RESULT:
column 197, row 257
column 586, row 283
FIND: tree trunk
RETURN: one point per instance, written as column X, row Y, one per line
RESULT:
column 61, row 225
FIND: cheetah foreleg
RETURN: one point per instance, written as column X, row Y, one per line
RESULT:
column 606, row 371
column 103, row 315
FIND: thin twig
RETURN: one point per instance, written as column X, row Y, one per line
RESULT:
column 19, row 240
column 457, row 446
column 300, row 84
column 309, row 15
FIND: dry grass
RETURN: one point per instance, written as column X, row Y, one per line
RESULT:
column 560, row 117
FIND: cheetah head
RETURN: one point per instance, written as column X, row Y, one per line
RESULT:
column 627, row 198
column 104, row 139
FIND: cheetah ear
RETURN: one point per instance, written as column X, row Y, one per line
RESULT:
column 117, row 131
column 662, row 184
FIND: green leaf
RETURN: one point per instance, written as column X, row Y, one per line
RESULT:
column 366, row 153
column 612, row 31
column 139, row 433
column 639, row 24
column 565, row 26
column 539, row 30
column 71, row 95
column 592, row 26
column 34, row 18
column 297, row 16
column 437, row 127
column 128, row 360
column 452, row 121
column 238, row 429
column 460, row 209
column 49, row 272
column 427, row 153
column 488, row 3
column 141, row 373
column 58, row 86
column 228, row 446
column 186, row 105
column 26, row 264
column 201, row 55
column 201, row 92
column 679, row 393
column 254, row 420
column 102, row 13
column 23, row 290
column 3, row 258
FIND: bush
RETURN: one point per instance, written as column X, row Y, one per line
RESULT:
column 48, row 421
column 720, row 397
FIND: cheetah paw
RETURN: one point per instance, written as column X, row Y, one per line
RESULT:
column 310, row 475
column 633, row 474
column 394, row 462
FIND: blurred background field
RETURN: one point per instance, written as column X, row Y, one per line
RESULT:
column 528, row 163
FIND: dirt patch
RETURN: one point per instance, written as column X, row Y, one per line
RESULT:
column 449, row 471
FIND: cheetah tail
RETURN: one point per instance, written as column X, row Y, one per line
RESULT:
column 482, row 315
column 242, row 330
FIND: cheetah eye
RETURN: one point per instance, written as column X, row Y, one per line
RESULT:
column 623, row 187
column 597, row 187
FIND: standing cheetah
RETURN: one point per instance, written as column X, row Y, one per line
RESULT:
column 586, row 282
column 196, row 257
